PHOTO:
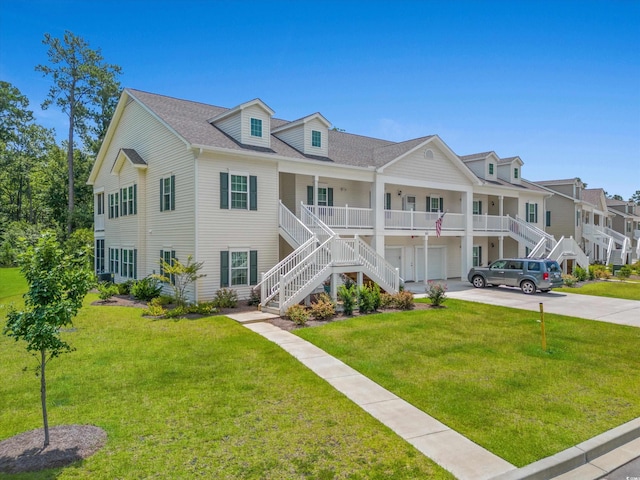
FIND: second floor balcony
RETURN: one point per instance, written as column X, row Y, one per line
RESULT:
column 350, row 218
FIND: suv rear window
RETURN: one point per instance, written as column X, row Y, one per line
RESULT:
column 533, row 266
column 553, row 266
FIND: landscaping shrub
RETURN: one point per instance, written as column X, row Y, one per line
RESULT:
column 365, row 299
column 204, row 308
column 179, row 311
column 298, row 314
column 580, row 274
column 436, row 293
column 387, row 300
column 569, row 280
column 375, row 296
column 146, row 289
column 324, row 308
column 106, row 290
column 254, row 297
column 347, row 297
column 599, row 271
column 125, row 287
column 226, row 298
column 162, row 300
column 625, row 271
column 155, row 308
column 404, row 300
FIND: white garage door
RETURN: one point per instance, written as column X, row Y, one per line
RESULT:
column 435, row 263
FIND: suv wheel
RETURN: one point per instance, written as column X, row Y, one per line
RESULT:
column 478, row 281
column 528, row 287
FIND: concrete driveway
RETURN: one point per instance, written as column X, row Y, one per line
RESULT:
column 611, row 310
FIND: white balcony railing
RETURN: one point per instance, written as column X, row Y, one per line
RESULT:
column 344, row 217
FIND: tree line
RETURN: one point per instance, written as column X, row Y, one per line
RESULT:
column 43, row 183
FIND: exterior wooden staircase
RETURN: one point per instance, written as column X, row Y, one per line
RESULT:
column 319, row 253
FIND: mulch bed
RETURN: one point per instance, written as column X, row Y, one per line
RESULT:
column 67, row 444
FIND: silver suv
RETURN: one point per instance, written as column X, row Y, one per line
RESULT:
column 530, row 274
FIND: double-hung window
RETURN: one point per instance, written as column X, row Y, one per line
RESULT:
column 435, row 204
column 256, row 127
column 129, row 260
column 168, row 193
column 238, row 191
column 531, row 212
column 128, row 200
column 100, row 204
column 114, row 260
column 167, row 256
column 114, row 205
column 516, row 173
column 491, row 169
column 238, row 268
column 99, row 255
column 477, row 207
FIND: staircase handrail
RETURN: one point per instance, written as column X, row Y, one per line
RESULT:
column 530, row 233
column 569, row 247
column 291, row 224
column 386, row 272
column 271, row 279
column 313, row 222
column 610, row 249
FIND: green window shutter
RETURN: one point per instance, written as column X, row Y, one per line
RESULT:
column 480, row 210
column 309, row 195
column 253, row 192
column 526, row 211
column 173, row 192
column 480, row 255
column 224, row 190
column 428, row 204
column 173, row 256
column 120, row 262
column 224, row 268
column 162, row 194
column 135, row 198
column 535, row 212
column 135, row 263
column 121, row 209
column 441, row 204
column 253, row 267
column 387, row 201
column 548, row 219
column 330, row 197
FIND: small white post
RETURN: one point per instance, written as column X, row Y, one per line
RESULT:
column 426, row 259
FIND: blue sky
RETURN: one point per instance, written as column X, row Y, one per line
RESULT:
column 556, row 83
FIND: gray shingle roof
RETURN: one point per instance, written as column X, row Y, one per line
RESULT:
column 133, row 156
column 475, row 156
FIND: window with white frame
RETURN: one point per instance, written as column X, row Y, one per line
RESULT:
column 100, row 204
column 238, row 267
column 435, row 204
column 114, row 260
column 531, row 212
column 128, row 200
column 410, row 203
column 316, row 138
column 477, row 255
column 516, row 173
column 167, row 256
column 99, row 255
column 628, row 226
column 256, row 127
column 491, row 169
column 477, row 207
column 114, row 205
column 168, row 193
column 239, row 192
column 129, row 262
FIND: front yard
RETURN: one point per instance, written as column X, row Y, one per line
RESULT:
column 481, row 370
column 629, row 290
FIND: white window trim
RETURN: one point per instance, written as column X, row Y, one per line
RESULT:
column 238, row 173
column 246, row 251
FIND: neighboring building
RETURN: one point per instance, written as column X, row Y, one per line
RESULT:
column 580, row 213
column 625, row 219
column 287, row 205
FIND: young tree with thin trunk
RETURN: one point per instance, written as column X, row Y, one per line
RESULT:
column 81, row 79
column 58, row 283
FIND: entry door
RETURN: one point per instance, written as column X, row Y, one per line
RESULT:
column 409, row 264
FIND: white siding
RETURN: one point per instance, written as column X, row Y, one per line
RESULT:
column 438, row 169
column 231, row 126
column 478, row 167
column 224, row 229
column 317, row 125
column 294, row 137
column 248, row 113
column 150, row 230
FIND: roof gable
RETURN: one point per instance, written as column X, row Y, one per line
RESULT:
column 132, row 156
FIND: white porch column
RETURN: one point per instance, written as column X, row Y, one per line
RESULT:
column 315, row 193
column 377, row 205
column 466, row 241
column 334, row 286
column 501, row 206
column 426, row 259
column 501, row 247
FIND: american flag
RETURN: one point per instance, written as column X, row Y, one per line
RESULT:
column 439, row 224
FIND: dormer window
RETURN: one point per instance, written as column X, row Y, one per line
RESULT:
column 256, row 127
column 515, row 173
column 491, row 169
column 316, row 138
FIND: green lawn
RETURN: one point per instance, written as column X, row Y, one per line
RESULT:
column 12, row 286
column 195, row 399
column 627, row 290
column 481, row 370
